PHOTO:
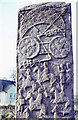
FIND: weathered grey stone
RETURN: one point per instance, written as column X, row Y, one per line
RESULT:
column 21, row 101
column 45, row 62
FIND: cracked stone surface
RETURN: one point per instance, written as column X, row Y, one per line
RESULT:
column 45, row 62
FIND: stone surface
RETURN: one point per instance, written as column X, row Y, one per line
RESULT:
column 45, row 62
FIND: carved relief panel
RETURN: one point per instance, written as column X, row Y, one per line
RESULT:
column 45, row 62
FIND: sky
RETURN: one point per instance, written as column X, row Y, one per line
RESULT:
column 8, row 32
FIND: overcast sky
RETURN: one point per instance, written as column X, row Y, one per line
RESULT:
column 8, row 32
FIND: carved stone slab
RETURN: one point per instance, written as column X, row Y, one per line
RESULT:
column 45, row 62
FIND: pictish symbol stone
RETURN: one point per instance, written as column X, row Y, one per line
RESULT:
column 45, row 62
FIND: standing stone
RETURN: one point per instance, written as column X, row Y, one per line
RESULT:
column 45, row 62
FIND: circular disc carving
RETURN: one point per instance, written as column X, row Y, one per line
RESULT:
column 29, row 47
column 60, row 47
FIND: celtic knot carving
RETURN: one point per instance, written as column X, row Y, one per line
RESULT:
column 60, row 47
column 29, row 47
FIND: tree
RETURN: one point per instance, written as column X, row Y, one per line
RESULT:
column 13, row 74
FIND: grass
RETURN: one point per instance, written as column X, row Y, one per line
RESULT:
column 7, row 113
